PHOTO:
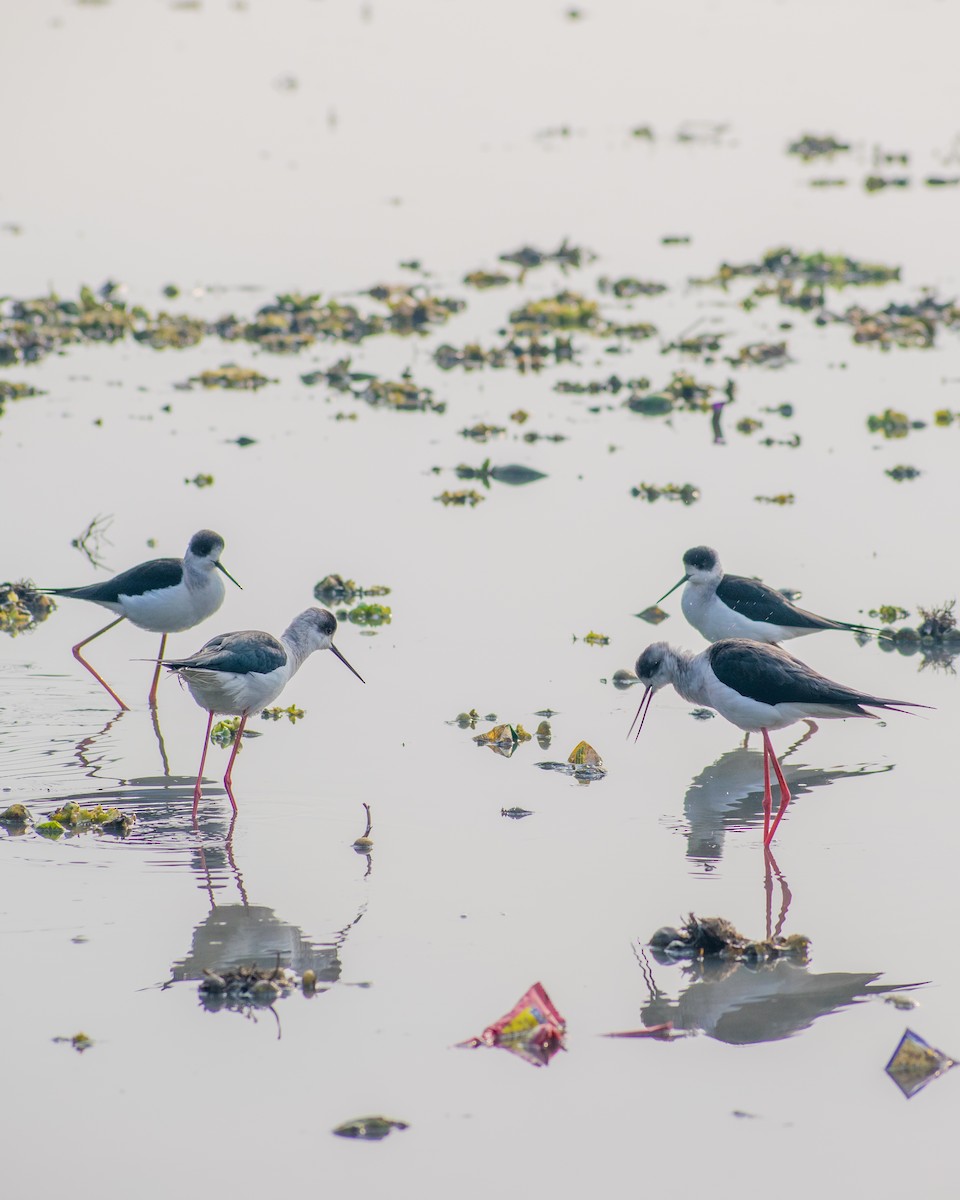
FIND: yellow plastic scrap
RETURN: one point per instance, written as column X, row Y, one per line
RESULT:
column 584, row 755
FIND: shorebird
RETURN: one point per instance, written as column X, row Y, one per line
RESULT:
column 238, row 674
column 757, row 688
column 730, row 606
column 164, row 595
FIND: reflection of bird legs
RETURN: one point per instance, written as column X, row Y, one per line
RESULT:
column 154, row 717
column 152, row 698
column 84, row 744
column 237, row 877
column 83, row 662
column 770, row 868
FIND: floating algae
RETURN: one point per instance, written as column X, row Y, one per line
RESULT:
column 22, row 607
column 401, row 395
column 370, row 1129
column 73, row 818
column 461, row 499
column 334, row 588
column 715, row 937
column 811, row 146
column 525, row 353
column 291, row 712
column 686, row 493
column 232, row 376
column 370, row 615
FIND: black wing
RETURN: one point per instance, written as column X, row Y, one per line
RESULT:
column 147, row 577
column 770, row 675
column 246, row 652
column 758, row 602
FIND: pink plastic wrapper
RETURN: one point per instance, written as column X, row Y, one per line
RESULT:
column 533, row 1029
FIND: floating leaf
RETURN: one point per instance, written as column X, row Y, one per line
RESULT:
column 915, row 1063
column 371, row 1129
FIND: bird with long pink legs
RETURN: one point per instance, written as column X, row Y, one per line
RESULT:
column 163, row 595
column 239, row 674
column 757, row 687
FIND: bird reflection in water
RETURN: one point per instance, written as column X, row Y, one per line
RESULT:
column 725, row 796
column 238, row 937
column 746, row 1003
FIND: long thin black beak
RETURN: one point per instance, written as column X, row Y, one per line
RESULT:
column 645, row 701
column 221, row 567
column 673, row 589
column 345, row 663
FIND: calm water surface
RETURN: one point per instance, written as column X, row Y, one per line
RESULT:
column 168, row 145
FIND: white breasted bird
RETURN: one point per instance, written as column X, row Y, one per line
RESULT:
column 730, row 606
column 756, row 687
column 238, row 674
column 163, row 595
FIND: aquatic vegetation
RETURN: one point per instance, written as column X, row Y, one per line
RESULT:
column 291, row 712
column 810, row 146
column 49, row 829
column 370, row 615
column 482, row 280
column 566, row 310
column 715, row 937
column 686, row 493
column 370, row 1129
column 246, row 986
column 695, row 344
column 334, row 588
column 900, row 473
column 653, row 615
column 827, row 270
column 595, row 639
column 16, row 391
column 614, row 384
column 782, row 499
column 74, row 818
column 877, row 183
column 909, row 326
column 14, row 815
column 512, row 473
column 628, row 287
column 482, row 432
column 935, row 181
column 79, row 1041
column 939, row 622
column 224, row 733
column 402, row 395
column 526, row 353
column 232, row 376
column 748, row 425
column 676, row 239
column 565, row 255
column 892, row 424
column 503, row 735
column 761, row 354
column 22, row 607
column 826, row 183
column 461, row 499
column 888, row 613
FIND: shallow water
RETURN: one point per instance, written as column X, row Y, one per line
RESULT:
column 417, row 130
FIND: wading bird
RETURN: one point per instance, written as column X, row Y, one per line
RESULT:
column 757, row 688
column 238, row 674
column 164, row 595
column 730, row 606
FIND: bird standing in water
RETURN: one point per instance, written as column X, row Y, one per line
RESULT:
column 238, row 674
column 730, row 606
column 757, row 688
column 164, row 595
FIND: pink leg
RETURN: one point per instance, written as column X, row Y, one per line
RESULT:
column 203, row 759
column 767, row 795
column 83, row 662
column 228, row 778
column 152, row 698
column 784, row 790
